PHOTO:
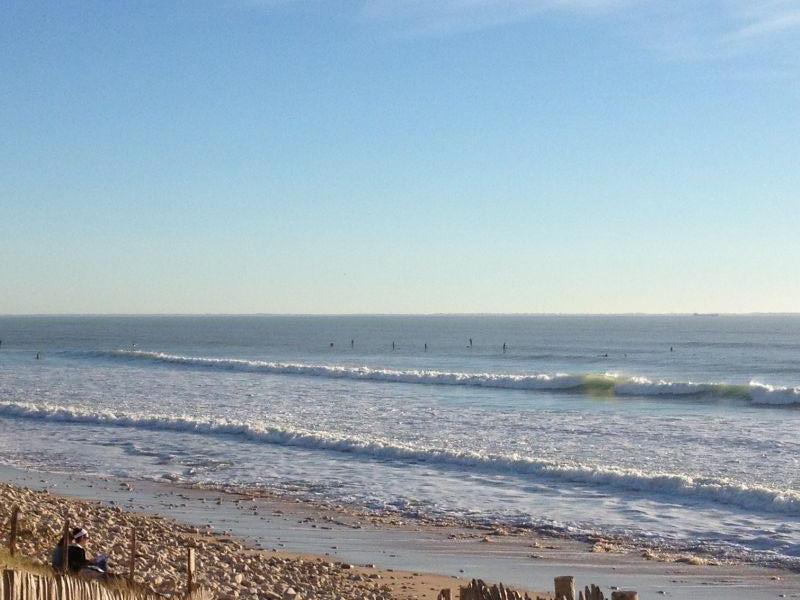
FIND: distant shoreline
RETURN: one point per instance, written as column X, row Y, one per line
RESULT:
column 390, row 315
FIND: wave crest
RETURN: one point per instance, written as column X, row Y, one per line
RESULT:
column 724, row 491
column 608, row 384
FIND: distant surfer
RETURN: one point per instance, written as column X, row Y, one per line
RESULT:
column 426, row 346
column 470, row 342
column 671, row 349
column 505, row 347
column 392, row 345
column 37, row 356
column 331, row 344
column 352, row 343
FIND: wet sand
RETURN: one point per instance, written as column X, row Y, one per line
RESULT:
column 414, row 559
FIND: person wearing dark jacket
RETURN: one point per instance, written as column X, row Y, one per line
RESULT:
column 77, row 559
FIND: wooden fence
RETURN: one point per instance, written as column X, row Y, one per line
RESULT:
column 564, row 590
column 22, row 585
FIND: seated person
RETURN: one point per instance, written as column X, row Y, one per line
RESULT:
column 77, row 559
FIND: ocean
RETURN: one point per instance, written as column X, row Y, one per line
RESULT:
column 667, row 432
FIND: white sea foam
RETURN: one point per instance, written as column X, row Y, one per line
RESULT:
column 762, row 393
column 541, row 381
column 607, row 383
column 757, row 498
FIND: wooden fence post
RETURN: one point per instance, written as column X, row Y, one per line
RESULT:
column 9, row 584
column 593, row 593
column 190, row 566
column 12, row 536
column 444, row 594
column 565, row 587
column 65, row 547
column 132, row 563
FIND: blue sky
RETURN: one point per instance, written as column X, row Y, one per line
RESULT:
column 399, row 156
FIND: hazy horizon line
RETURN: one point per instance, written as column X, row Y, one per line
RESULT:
column 432, row 314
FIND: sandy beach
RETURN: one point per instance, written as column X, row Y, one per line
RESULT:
column 266, row 547
column 227, row 566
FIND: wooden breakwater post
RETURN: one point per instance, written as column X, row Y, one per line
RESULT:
column 444, row 594
column 591, row 593
column 14, row 527
column 477, row 589
column 65, row 547
column 624, row 595
column 565, row 587
column 190, row 570
column 132, row 557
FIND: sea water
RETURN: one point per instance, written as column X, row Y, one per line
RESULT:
column 674, row 432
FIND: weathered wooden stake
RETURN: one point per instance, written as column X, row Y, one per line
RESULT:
column 444, row 594
column 565, row 587
column 132, row 563
column 594, row 593
column 624, row 595
column 9, row 579
column 12, row 536
column 65, row 547
column 190, row 565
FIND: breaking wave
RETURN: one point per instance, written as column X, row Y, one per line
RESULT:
column 607, row 384
column 719, row 490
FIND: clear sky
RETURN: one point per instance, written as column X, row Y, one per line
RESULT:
column 312, row 156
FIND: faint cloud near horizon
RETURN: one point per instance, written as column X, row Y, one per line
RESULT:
column 460, row 16
column 678, row 29
column 759, row 19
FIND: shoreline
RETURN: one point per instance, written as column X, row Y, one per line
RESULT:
column 687, row 552
column 439, row 554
